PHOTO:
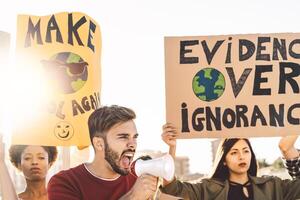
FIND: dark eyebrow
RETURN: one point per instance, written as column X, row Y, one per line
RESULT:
column 242, row 149
column 122, row 134
column 126, row 135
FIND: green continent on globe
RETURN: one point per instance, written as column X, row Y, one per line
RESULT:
column 220, row 85
column 76, row 85
column 207, row 73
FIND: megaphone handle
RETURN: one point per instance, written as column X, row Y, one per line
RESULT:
column 157, row 192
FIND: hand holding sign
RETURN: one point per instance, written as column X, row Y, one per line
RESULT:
column 170, row 134
column 287, row 147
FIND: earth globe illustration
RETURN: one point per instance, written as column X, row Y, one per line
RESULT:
column 67, row 72
column 208, row 84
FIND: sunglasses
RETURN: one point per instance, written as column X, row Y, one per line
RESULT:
column 74, row 68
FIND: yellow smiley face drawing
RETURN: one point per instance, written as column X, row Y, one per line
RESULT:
column 63, row 130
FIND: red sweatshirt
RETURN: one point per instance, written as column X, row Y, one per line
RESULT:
column 79, row 184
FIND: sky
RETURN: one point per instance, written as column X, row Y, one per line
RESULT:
column 132, row 56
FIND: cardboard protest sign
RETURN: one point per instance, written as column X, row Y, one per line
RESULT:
column 61, row 52
column 233, row 85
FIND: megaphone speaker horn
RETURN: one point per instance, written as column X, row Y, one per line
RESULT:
column 160, row 167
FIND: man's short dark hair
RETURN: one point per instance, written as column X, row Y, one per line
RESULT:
column 104, row 118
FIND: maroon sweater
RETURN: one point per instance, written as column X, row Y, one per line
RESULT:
column 79, row 184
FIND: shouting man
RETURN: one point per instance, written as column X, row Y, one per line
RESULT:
column 113, row 135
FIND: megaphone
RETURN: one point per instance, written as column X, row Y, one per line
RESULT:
column 160, row 167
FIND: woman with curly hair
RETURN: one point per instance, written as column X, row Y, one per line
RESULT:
column 34, row 162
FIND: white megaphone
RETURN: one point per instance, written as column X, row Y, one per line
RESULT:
column 160, row 167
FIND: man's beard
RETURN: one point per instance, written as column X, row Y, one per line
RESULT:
column 111, row 157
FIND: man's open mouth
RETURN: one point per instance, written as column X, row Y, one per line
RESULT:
column 126, row 159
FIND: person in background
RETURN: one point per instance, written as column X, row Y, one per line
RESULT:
column 34, row 162
column 234, row 175
column 113, row 135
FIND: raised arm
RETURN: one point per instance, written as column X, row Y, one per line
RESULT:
column 291, row 155
column 6, row 186
column 176, row 187
column 169, row 136
column 287, row 147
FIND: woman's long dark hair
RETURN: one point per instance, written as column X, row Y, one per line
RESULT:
column 221, row 171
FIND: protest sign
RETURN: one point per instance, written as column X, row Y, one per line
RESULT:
column 61, row 54
column 233, row 85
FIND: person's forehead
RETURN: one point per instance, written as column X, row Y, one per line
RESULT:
column 34, row 150
column 240, row 144
column 128, row 127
